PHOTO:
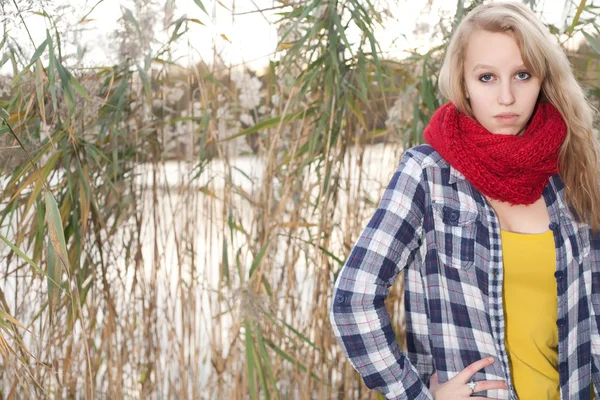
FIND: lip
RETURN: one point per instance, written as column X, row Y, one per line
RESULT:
column 506, row 118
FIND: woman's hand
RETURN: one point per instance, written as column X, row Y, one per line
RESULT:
column 458, row 388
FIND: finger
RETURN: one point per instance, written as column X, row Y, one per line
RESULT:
column 481, row 386
column 465, row 375
column 433, row 381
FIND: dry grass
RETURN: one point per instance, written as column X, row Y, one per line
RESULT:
column 177, row 232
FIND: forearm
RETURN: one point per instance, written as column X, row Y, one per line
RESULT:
column 363, row 328
column 358, row 315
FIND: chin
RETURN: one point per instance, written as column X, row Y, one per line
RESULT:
column 511, row 132
column 507, row 130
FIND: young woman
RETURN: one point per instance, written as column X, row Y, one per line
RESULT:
column 494, row 226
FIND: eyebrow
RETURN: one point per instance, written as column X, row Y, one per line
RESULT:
column 485, row 66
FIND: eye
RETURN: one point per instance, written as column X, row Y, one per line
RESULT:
column 486, row 78
column 523, row 76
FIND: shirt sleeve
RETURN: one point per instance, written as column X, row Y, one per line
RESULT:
column 358, row 315
column 595, row 314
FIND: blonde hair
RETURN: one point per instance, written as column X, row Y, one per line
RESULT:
column 579, row 165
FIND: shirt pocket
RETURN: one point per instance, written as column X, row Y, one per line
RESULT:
column 455, row 234
column 579, row 235
column 584, row 242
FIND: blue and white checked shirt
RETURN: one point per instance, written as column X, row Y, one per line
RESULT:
column 433, row 226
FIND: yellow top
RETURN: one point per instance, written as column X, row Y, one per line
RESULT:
column 530, row 307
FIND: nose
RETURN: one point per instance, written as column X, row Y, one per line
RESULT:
column 506, row 97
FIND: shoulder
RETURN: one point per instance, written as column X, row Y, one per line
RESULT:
column 426, row 156
column 424, row 167
column 443, row 183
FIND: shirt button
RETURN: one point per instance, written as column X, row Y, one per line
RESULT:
column 454, row 216
column 553, row 226
column 340, row 299
column 495, row 273
column 559, row 275
column 560, row 322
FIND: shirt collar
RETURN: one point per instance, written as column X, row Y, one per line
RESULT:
column 455, row 175
column 555, row 184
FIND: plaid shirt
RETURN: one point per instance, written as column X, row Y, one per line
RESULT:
column 433, row 226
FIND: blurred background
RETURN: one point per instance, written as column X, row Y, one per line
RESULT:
column 182, row 180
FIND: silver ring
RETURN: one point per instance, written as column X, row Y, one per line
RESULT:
column 472, row 385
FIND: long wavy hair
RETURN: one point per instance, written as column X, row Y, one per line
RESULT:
column 578, row 165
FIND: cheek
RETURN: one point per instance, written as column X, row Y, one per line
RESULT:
column 482, row 115
column 533, row 97
column 480, row 104
column 481, row 95
column 530, row 97
column 529, row 91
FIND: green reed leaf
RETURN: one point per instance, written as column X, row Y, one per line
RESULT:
column 576, row 17
column 199, row 4
column 290, row 359
column 267, row 364
column 250, row 360
column 594, row 43
column 128, row 14
column 54, row 272
column 55, row 230
column 258, row 258
column 51, row 69
column 25, row 258
column 38, row 52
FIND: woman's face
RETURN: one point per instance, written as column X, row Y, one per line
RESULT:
column 501, row 90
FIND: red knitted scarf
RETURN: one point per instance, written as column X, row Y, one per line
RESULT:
column 513, row 169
